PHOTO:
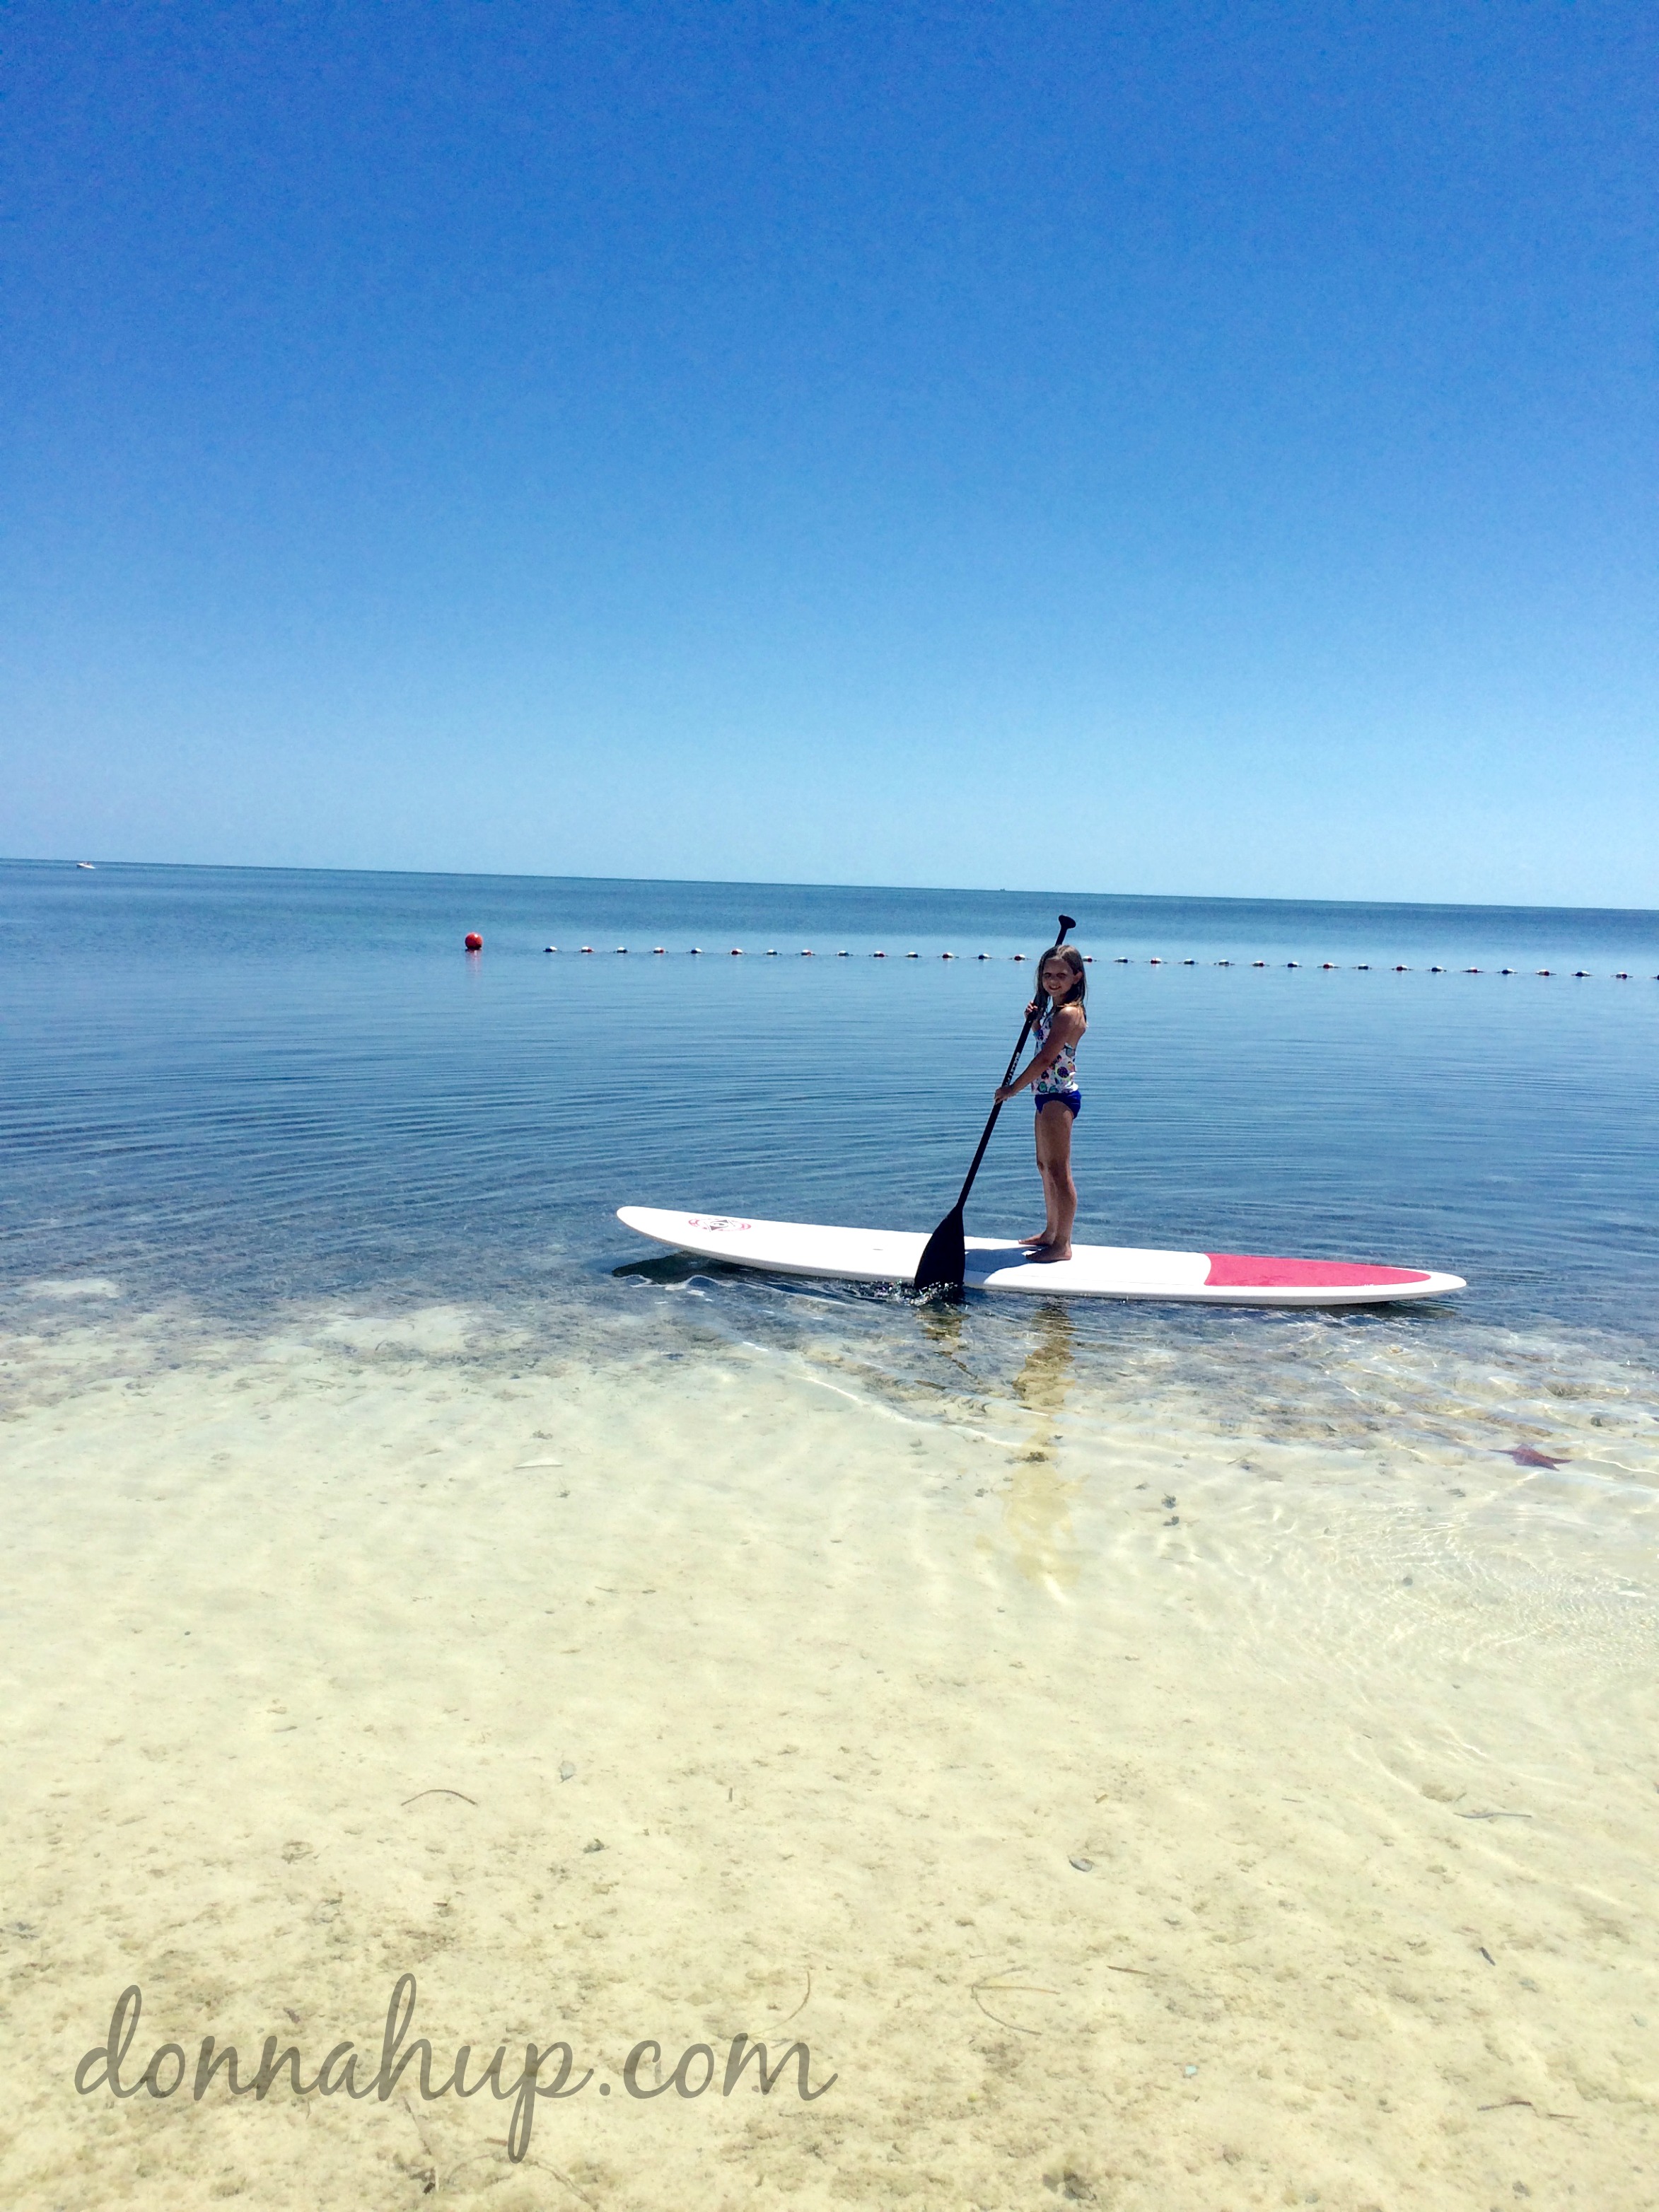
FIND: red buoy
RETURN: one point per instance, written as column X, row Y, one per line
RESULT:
column 474, row 942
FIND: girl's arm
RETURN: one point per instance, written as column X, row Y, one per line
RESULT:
column 1065, row 1028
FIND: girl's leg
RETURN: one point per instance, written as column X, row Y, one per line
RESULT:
column 1053, row 1143
column 1045, row 1235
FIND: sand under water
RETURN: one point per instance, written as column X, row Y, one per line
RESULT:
column 1152, row 1778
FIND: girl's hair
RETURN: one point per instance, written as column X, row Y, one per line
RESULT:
column 1073, row 959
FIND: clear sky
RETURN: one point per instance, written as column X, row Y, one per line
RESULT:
column 1157, row 447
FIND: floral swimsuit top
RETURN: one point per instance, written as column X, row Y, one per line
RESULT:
column 1058, row 1081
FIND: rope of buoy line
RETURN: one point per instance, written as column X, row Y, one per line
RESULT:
column 473, row 942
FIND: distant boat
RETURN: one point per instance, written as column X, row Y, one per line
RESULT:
column 86, row 864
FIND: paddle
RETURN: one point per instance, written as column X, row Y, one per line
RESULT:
column 944, row 1260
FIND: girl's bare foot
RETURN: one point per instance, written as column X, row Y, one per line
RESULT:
column 1048, row 1252
column 1041, row 1237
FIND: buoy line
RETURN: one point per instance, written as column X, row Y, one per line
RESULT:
column 474, row 943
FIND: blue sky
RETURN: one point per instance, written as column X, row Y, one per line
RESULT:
column 1163, row 448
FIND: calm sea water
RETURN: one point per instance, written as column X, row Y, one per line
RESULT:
column 233, row 1087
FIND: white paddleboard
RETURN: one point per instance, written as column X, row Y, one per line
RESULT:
column 1094, row 1271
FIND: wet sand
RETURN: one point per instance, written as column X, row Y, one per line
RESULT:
column 1127, row 1802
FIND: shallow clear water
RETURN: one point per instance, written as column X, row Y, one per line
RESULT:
column 376, row 1479
column 231, row 1092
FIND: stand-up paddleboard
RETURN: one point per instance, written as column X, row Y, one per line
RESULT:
column 1094, row 1271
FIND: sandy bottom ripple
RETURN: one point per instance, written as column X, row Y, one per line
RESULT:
column 1121, row 1810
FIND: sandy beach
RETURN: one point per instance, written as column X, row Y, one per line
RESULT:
column 1127, row 1802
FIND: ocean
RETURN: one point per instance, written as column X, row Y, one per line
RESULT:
column 235, row 1084
column 1295, row 1666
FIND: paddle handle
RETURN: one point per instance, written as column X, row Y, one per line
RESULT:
column 1065, row 922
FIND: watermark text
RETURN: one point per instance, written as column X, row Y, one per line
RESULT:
column 547, row 2069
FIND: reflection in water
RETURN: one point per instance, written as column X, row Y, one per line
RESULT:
column 941, row 1323
column 1037, row 1510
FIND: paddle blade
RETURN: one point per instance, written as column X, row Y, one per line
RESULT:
column 945, row 1258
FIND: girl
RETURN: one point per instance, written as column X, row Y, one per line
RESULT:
column 1061, row 981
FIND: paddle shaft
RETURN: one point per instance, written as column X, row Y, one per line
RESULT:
column 1066, row 923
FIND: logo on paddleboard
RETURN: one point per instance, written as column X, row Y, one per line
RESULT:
column 701, row 1221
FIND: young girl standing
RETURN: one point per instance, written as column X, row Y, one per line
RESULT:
column 1061, row 1021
